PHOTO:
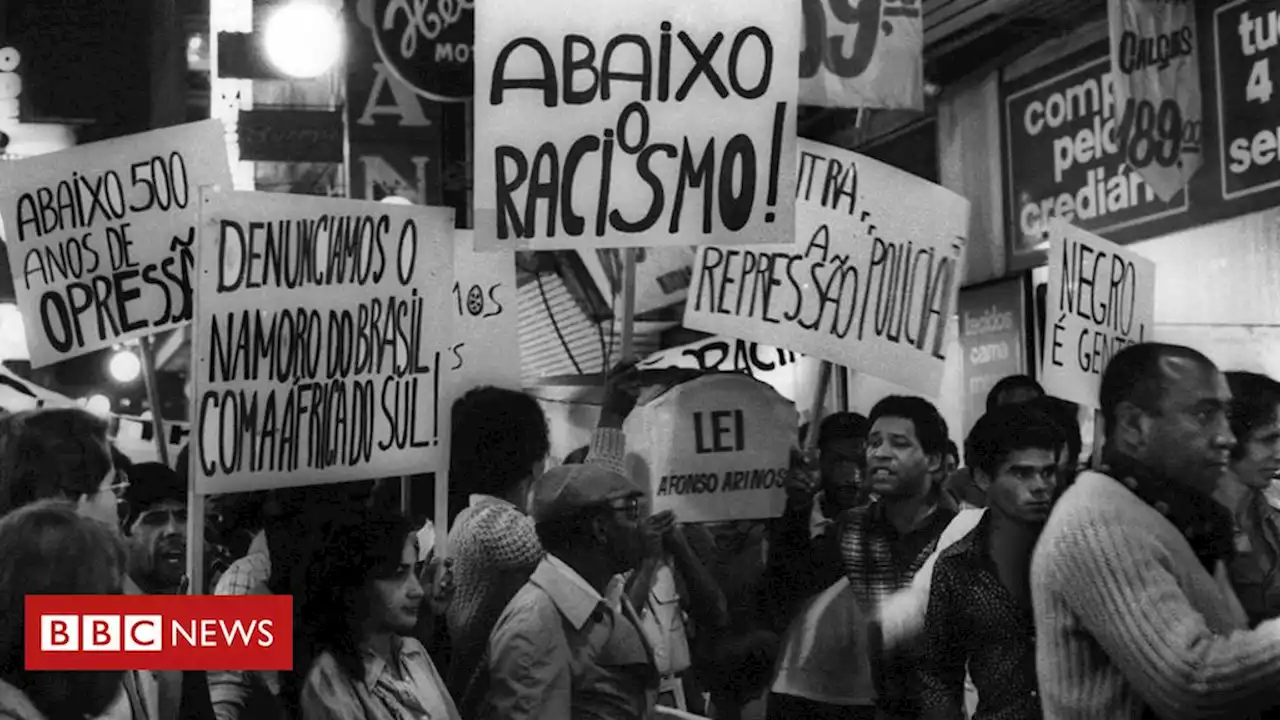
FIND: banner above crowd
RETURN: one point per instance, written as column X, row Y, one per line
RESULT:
column 635, row 124
column 870, row 284
column 864, row 54
column 101, row 237
column 323, row 345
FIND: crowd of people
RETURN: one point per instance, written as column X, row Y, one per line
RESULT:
column 906, row 579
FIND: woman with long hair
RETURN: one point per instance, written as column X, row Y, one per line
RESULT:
column 357, row 614
column 46, row 548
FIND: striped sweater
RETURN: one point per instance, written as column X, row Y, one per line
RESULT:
column 1129, row 624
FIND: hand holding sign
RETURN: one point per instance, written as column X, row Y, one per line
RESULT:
column 654, row 531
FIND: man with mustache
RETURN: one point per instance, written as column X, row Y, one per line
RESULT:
column 1134, row 613
column 979, row 609
column 156, row 528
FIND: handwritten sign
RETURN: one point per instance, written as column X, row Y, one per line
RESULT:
column 101, row 237
column 714, row 449
column 723, row 354
column 612, row 123
column 863, row 54
column 323, row 341
column 488, row 326
column 870, row 284
column 1102, row 298
column 1156, row 66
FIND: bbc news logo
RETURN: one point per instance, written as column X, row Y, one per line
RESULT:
column 159, row 632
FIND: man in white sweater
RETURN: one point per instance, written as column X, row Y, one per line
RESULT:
column 1134, row 616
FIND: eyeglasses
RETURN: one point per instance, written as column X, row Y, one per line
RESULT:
column 160, row 518
column 630, row 506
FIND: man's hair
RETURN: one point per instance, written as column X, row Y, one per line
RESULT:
column 1254, row 399
column 1134, row 375
column 842, row 426
column 498, row 435
column 51, row 453
column 1011, row 383
column 567, row 531
column 1007, row 429
column 150, row 484
column 46, row 548
column 952, row 450
column 1066, row 415
column 931, row 429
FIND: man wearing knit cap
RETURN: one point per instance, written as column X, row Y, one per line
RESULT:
column 1135, row 616
column 562, row 650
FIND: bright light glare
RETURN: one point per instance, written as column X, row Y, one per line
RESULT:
column 303, row 39
column 98, row 405
column 397, row 200
column 125, row 367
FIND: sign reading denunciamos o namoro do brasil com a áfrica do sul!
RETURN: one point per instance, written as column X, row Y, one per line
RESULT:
column 101, row 237
column 324, row 347
column 1101, row 298
column 614, row 123
column 870, row 283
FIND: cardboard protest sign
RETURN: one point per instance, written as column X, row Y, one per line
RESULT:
column 101, row 238
column 1101, row 298
column 324, row 347
column 870, row 284
column 488, row 327
column 714, row 449
column 864, row 54
column 1155, row 68
column 613, row 123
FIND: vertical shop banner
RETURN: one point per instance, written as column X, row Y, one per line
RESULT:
column 324, row 347
column 1101, row 299
column 870, row 284
column 714, row 449
column 488, row 325
column 993, row 322
column 101, row 237
column 1064, row 158
column 1156, row 66
column 1245, row 50
column 863, row 54
column 612, row 123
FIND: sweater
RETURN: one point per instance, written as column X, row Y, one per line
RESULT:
column 1130, row 624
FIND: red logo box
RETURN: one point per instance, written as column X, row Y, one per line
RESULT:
column 159, row 632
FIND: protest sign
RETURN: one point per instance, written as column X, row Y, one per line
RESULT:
column 870, row 284
column 1102, row 298
column 864, row 54
column 101, row 237
column 1156, row 68
column 714, row 449
column 612, row 123
column 324, row 346
column 488, row 327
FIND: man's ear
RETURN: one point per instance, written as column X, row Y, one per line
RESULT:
column 1131, row 426
column 934, row 462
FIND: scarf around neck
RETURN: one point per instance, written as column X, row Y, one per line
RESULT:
column 1208, row 526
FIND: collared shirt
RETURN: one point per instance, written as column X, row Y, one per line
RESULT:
column 1255, row 569
column 416, row 692
column 562, row 652
column 663, row 619
column 974, row 620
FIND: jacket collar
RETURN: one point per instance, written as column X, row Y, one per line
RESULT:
column 573, row 596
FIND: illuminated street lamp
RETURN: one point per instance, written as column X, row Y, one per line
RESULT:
column 125, row 367
column 303, row 39
column 98, row 405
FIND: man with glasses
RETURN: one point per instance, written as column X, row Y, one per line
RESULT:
column 566, row 647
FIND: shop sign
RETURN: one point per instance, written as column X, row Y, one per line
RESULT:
column 427, row 45
column 1064, row 157
column 1245, row 50
column 992, row 338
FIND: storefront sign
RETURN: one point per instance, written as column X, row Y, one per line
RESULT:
column 321, row 352
column 863, row 54
column 101, row 238
column 1154, row 58
column 311, row 136
column 714, row 449
column 993, row 321
column 870, row 284
column 649, row 123
column 1065, row 156
column 1248, row 110
column 1101, row 299
column 428, row 44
